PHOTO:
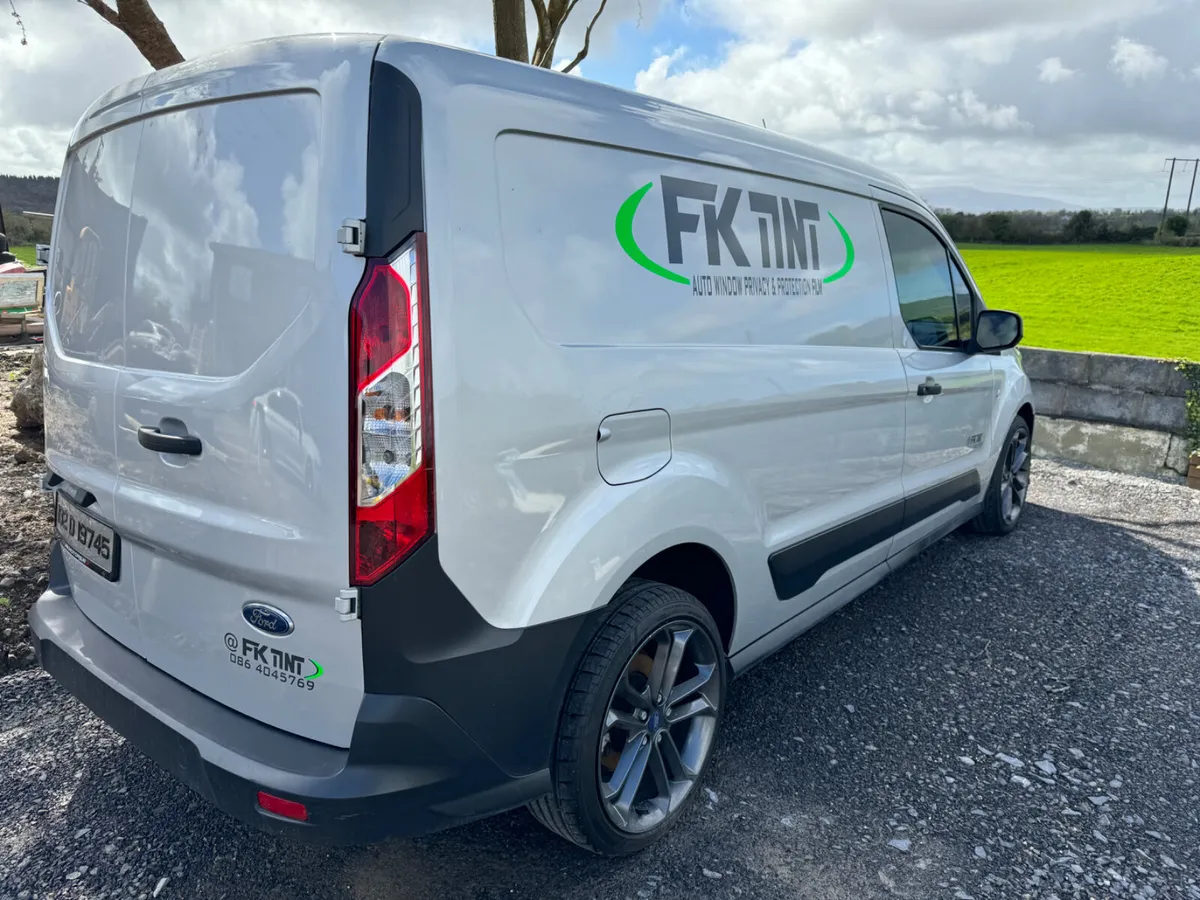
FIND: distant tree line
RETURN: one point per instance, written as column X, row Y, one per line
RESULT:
column 1082, row 227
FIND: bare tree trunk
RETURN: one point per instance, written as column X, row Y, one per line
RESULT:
column 137, row 21
column 508, row 17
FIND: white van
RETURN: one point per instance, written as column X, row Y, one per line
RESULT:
column 432, row 435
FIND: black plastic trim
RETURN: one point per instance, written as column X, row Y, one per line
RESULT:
column 799, row 567
column 504, row 687
column 395, row 179
column 410, row 768
column 926, row 503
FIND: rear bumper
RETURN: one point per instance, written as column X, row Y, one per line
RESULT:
column 410, row 769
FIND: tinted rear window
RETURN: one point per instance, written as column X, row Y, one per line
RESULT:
column 216, row 256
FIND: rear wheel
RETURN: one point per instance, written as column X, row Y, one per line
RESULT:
column 1004, row 503
column 639, row 724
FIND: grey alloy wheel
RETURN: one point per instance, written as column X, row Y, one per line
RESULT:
column 659, row 726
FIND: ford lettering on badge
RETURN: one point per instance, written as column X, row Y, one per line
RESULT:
column 267, row 619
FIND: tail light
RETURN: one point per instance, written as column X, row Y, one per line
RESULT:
column 392, row 495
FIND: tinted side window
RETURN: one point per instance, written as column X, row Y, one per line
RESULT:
column 922, row 270
column 962, row 302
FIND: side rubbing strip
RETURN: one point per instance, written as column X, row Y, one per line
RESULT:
column 797, row 568
column 800, row 566
column 932, row 500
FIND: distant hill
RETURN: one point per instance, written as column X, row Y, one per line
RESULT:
column 35, row 193
column 973, row 200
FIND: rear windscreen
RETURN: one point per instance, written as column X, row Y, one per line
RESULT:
column 202, row 221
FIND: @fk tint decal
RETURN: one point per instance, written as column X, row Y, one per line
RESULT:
column 263, row 660
column 789, row 239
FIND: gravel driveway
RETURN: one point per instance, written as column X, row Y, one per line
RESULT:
column 1004, row 718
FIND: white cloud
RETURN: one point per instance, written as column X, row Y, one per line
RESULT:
column 835, row 19
column 1052, row 71
column 945, row 93
column 1134, row 61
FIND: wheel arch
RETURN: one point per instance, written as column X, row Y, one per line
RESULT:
column 701, row 571
column 1026, row 413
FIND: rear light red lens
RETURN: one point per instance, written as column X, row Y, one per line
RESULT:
column 289, row 809
column 392, row 493
column 382, row 321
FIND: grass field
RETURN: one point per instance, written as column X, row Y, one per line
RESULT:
column 25, row 254
column 1138, row 300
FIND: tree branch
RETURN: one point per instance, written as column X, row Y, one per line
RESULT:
column 16, row 15
column 104, row 10
column 546, row 55
column 543, row 21
column 137, row 21
column 587, row 39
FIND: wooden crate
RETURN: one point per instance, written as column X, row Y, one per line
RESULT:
column 22, row 301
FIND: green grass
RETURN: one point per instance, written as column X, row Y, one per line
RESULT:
column 1136, row 300
column 26, row 254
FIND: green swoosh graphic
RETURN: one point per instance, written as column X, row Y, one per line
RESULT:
column 849, row 264
column 624, row 226
column 317, row 674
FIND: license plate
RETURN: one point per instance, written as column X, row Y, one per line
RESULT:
column 95, row 544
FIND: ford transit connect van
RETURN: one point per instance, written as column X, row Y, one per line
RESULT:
column 432, row 435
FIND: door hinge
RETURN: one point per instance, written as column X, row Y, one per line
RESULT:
column 346, row 604
column 353, row 236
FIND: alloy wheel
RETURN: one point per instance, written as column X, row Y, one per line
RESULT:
column 1014, row 483
column 659, row 726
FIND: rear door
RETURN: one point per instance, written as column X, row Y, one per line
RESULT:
column 950, row 390
column 235, row 288
column 85, row 350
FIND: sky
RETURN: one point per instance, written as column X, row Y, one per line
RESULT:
column 1077, row 100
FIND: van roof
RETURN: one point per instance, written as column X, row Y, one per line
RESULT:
column 458, row 67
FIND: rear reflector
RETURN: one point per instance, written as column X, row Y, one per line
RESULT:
column 391, row 499
column 289, row 809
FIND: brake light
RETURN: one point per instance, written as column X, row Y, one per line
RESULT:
column 392, row 495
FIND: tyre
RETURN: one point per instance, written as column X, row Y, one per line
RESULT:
column 639, row 722
column 1007, row 492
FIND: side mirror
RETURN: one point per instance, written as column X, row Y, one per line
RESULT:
column 996, row 329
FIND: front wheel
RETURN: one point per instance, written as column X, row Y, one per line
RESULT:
column 1008, row 491
column 639, row 723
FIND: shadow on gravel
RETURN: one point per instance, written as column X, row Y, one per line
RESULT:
column 1069, row 642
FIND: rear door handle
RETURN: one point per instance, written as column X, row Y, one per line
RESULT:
column 928, row 388
column 154, row 438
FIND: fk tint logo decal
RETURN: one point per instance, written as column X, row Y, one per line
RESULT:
column 787, row 230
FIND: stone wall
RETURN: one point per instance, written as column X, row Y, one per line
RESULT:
column 1126, row 413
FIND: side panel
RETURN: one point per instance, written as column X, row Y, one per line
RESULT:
column 784, row 392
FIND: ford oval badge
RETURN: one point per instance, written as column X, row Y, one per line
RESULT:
column 268, row 619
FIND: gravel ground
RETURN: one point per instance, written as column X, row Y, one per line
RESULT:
column 1003, row 719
